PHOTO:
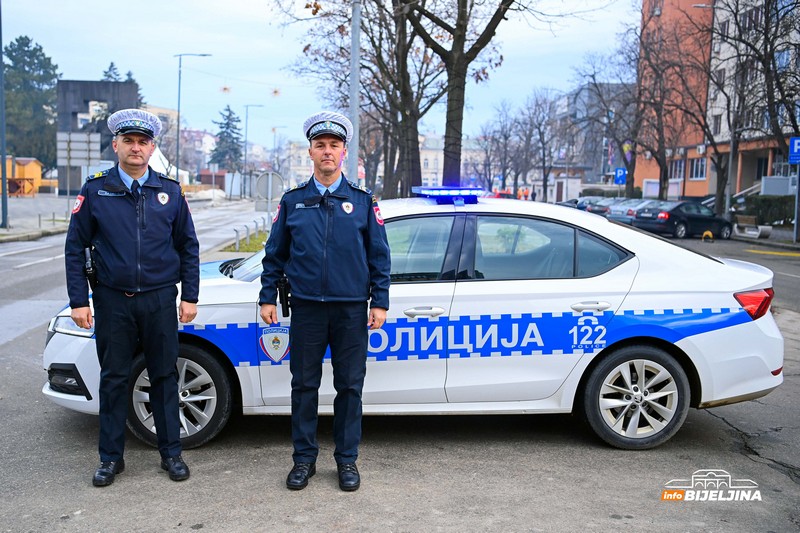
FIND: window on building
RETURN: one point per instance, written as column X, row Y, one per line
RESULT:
column 782, row 59
column 716, row 124
column 751, row 19
column 784, row 7
column 719, row 82
column 677, row 169
column 425, row 163
column 723, row 30
column 697, row 169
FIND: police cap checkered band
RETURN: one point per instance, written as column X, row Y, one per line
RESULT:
column 134, row 121
column 328, row 123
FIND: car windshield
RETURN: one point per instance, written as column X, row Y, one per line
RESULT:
column 631, row 201
column 608, row 201
column 250, row 268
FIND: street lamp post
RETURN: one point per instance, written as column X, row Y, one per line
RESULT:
column 355, row 84
column 178, row 132
column 275, row 147
column 246, row 113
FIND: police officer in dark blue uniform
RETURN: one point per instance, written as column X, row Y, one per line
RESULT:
column 136, row 224
column 328, row 239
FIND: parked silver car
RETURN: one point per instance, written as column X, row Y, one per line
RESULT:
column 625, row 211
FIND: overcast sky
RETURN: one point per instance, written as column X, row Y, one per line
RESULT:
column 250, row 53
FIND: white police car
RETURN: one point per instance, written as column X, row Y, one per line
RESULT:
column 497, row 306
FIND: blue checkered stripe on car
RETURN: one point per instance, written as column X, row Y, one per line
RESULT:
column 523, row 335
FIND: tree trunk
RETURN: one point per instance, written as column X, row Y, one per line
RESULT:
column 456, row 91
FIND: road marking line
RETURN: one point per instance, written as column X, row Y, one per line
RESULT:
column 39, row 261
column 27, row 250
column 764, row 252
column 786, row 274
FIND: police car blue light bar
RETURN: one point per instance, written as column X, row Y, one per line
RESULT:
column 468, row 195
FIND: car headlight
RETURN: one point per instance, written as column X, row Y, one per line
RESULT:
column 67, row 326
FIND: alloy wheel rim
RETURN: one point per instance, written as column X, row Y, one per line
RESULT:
column 638, row 399
column 197, row 398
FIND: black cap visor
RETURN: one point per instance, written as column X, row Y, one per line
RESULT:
column 134, row 129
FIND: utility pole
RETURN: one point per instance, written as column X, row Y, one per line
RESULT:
column 355, row 84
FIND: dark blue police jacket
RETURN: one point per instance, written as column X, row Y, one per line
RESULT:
column 136, row 248
column 331, row 249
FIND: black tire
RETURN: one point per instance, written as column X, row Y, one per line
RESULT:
column 639, row 413
column 680, row 230
column 208, row 392
column 725, row 232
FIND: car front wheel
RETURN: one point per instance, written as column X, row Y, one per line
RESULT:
column 725, row 232
column 204, row 396
column 636, row 398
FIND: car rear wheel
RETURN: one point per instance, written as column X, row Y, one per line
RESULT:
column 204, row 396
column 636, row 398
column 725, row 232
column 680, row 230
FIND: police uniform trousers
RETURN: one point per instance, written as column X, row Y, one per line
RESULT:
column 147, row 321
column 315, row 326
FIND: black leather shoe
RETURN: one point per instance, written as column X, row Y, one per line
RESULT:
column 178, row 471
column 300, row 474
column 107, row 471
column 349, row 478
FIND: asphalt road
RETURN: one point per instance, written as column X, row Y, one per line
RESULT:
column 498, row 473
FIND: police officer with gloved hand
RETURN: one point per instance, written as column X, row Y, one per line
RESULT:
column 137, row 224
column 328, row 239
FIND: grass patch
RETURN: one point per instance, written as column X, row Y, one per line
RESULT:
column 256, row 243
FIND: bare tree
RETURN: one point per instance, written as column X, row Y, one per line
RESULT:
column 616, row 108
column 398, row 87
column 540, row 115
column 761, row 38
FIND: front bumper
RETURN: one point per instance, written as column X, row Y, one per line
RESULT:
column 73, row 371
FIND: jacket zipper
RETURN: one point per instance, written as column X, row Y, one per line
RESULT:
column 139, row 217
column 328, row 227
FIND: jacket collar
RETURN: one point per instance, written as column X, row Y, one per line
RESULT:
column 114, row 183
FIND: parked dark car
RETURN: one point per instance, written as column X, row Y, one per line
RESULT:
column 585, row 201
column 572, row 202
column 602, row 207
column 681, row 219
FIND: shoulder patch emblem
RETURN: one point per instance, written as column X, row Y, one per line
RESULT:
column 77, row 205
column 378, row 216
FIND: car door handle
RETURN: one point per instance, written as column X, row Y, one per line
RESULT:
column 590, row 306
column 423, row 310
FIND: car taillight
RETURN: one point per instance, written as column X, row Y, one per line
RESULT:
column 663, row 215
column 756, row 303
column 631, row 212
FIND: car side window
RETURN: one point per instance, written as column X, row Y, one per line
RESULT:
column 508, row 248
column 690, row 209
column 418, row 247
column 596, row 256
column 705, row 211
